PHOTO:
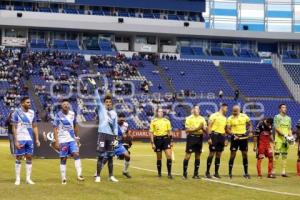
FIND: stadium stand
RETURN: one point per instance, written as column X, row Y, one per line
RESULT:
column 256, row 80
column 294, row 71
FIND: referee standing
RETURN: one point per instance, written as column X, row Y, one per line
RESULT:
column 161, row 140
column 195, row 126
column 237, row 125
column 217, row 138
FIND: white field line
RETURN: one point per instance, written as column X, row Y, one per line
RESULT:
column 224, row 183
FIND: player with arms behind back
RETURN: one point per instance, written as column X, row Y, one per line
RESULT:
column 161, row 140
column 66, row 139
column 263, row 142
column 24, row 127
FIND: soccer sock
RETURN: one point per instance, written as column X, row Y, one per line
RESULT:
column 231, row 162
column 173, row 156
column 63, row 169
column 196, row 167
column 185, row 166
column 208, row 163
column 169, row 166
column 275, row 163
column 245, row 163
column 126, row 166
column 270, row 166
column 298, row 167
column 78, row 167
column 110, row 166
column 158, row 165
column 258, row 166
column 284, row 161
column 18, row 169
column 28, row 169
column 99, row 165
column 217, row 165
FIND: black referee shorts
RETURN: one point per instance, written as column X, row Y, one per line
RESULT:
column 162, row 143
column 240, row 144
column 218, row 142
column 194, row 143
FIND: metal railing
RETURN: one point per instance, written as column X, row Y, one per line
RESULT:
column 286, row 77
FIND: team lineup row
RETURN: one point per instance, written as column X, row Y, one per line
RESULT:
column 114, row 140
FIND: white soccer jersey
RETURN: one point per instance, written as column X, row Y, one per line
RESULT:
column 24, row 121
column 65, row 124
column 124, row 127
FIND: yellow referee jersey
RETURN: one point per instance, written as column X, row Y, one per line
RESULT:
column 194, row 121
column 218, row 122
column 238, row 124
column 160, row 126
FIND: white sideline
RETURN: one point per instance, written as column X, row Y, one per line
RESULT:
column 225, row 183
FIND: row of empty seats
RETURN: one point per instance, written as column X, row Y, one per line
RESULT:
column 120, row 13
column 101, row 45
column 190, row 52
column 256, row 80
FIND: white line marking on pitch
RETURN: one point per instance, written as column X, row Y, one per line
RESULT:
column 225, row 183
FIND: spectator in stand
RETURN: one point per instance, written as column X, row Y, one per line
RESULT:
column 236, row 95
column 221, row 94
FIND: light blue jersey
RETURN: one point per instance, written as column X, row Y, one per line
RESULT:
column 108, row 119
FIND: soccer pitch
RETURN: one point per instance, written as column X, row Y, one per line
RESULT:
column 145, row 184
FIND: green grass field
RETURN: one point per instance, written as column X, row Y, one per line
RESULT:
column 145, row 184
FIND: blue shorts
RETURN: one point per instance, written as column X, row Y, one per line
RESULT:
column 68, row 148
column 26, row 148
column 120, row 150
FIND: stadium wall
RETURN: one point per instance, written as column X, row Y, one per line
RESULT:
column 88, row 137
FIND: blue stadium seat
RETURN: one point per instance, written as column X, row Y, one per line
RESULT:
column 72, row 44
column 123, row 14
column 148, row 15
column 38, row 43
column 44, row 9
column 19, row 8
column 105, row 45
column 186, row 50
column 71, row 11
column 59, row 44
column 173, row 17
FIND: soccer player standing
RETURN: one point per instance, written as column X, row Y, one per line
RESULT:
column 283, row 128
column 195, row 126
column 217, row 139
column 122, row 150
column 262, row 140
column 107, row 133
column 298, row 136
column 24, row 127
column 161, row 140
column 237, row 125
column 66, row 138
